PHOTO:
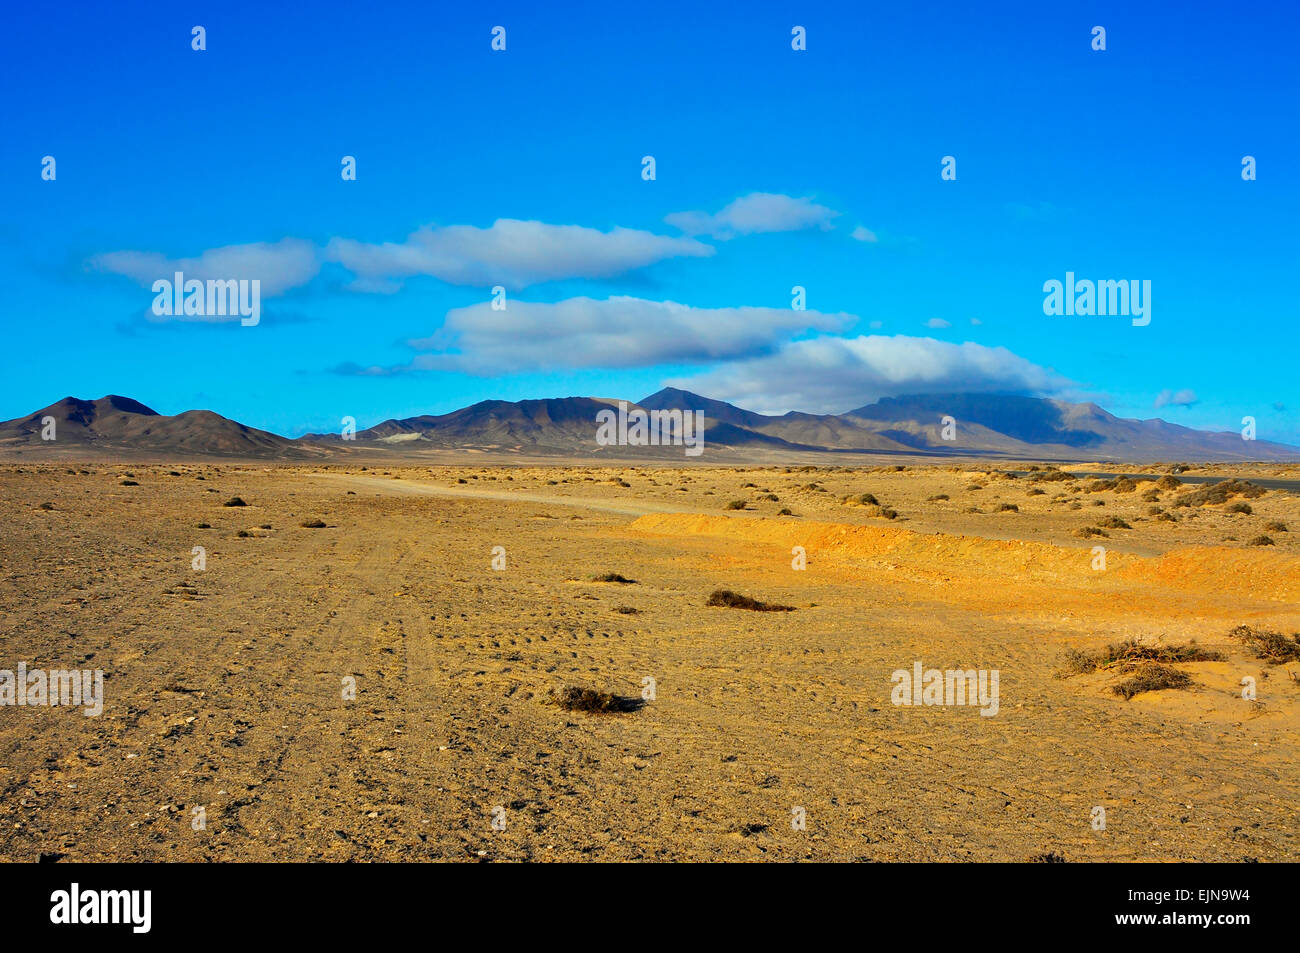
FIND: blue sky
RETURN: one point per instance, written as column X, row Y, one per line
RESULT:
column 774, row 168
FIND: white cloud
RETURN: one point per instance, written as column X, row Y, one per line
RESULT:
column 615, row 332
column 511, row 252
column 753, row 214
column 279, row 266
column 976, row 322
column 863, row 234
column 834, row 375
column 937, row 324
column 1178, row 398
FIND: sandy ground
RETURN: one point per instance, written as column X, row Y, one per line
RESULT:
column 225, row 686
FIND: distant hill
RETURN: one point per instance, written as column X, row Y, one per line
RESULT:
column 559, row 424
column 986, row 425
column 1021, row 426
column 120, row 426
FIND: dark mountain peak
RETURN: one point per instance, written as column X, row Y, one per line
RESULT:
column 886, row 407
column 68, row 410
column 1027, row 419
column 124, row 405
column 77, row 410
column 673, row 398
column 670, row 394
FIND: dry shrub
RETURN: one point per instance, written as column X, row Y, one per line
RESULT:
column 1273, row 647
column 734, row 600
column 1152, row 677
column 594, row 702
column 1220, row 492
column 1127, row 655
column 1050, row 475
column 1118, row 485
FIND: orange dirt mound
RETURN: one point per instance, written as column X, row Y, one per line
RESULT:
column 1263, row 575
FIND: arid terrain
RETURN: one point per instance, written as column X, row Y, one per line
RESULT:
column 225, row 686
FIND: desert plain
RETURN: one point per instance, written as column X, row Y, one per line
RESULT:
column 463, row 600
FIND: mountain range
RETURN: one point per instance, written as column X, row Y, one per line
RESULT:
column 985, row 425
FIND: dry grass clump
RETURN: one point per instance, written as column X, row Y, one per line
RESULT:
column 1152, row 677
column 1118, row 485
column 1169, row 482
column 1088, row 532
column 312, row 524
column 863, row 499
column 1261, row 541
column 1274, row 647
column 1007, row 508
column 1147, row 666
column 937, row 497
column 736, row 505
column 734, row 600
column 1049, row 475
column 612, row 577
column 235, row 501
column 1129, row 654
column 1220, row 492
column 1276, row 526
column 1239, row 507
column 1113, row 522
column 593, row 702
